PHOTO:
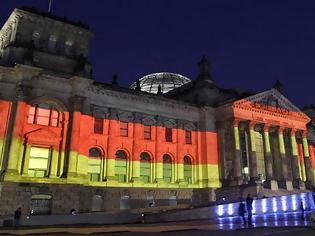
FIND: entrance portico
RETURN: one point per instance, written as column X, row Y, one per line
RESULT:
column 268, row 131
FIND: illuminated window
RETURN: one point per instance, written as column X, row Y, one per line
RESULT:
column 98, row 126
column 145, row 167
column 43, row 114
column 187, row 136
column 94, row 165
column 123, row 129
column 121, row 166
column 168, row 134
column 167, row 168
column 187, row 169
column 147, row 132
column 39, row 161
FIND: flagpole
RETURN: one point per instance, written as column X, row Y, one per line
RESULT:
column 49, row 7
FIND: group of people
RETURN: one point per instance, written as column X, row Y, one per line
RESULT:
column 249, row 207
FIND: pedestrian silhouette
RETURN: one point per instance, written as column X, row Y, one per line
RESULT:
column 249, row 205
column 302, row 210
column 242, row 211
column 17, row 217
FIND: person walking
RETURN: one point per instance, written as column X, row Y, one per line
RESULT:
column 302, row 210
column 249, row 205
column 242, row 211
column 17, row 217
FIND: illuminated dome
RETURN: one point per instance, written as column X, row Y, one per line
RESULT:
column 168, row 81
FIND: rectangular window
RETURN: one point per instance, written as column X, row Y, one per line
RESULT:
column 39, row 161
column 147, row 132
column 123, row 129
column 187, row 136
column 98, row 126
column 31, row 115
column 168, row 134
column 42, row 116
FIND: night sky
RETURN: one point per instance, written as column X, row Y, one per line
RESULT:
column 250, row 43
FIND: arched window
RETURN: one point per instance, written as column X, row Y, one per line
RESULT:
column 145, row 167
column 121, row 166
column 44, row 114
column 187, row 169
column 167, row 168
column 95, row 164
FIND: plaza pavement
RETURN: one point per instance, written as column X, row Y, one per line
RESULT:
column 289, row 220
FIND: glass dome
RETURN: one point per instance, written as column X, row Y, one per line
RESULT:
column 168, row 81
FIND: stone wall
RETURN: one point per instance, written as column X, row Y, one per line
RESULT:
column 66, row 197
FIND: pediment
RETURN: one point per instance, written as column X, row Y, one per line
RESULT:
column 271, row 101
column 43, row 135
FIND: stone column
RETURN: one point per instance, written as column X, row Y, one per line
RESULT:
column 295, row 162
column 54, row 163
column 237, row 158
column 268, row 156
column 26, row 159
column 307, row 161
column 77, row 102
column 270, row 182
column 282, row 154
column 252, row 158
column 17, row 118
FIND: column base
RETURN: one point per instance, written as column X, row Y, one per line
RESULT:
column 285, row 184
column 110, row 178
column 271, row 184
column 135, row 180
column 236, row 181
column 253, row 181
column 159, row 181
column 298, row 184
column 308, row 185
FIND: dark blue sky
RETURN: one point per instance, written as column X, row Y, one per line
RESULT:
column 250, row 43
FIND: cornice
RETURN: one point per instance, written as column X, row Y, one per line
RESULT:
column 143, row 99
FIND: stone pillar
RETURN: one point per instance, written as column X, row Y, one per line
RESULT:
column 26, row 159
column 54, row 163
column 237, row 175
column 307, row 161
column 270, row 182
column 77, row 102
column 252, row 158
column 283, row 183
column 14, row 156
column 282, row 154
column 297, row 183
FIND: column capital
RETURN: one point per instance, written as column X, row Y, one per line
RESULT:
column 304, row 133
column 252, row 124
column 293, row 131
column 281, row 129
column 236, row 122
column 77, row 102
column 266, row 127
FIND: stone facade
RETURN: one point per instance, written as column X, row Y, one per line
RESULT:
column 65, row 138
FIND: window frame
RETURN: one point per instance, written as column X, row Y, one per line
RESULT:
column 168, row 134
column 147, row 134
column 47, row 170
column 98, row 126
column 188, row 137
column 50, row 117
column 123, row 130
